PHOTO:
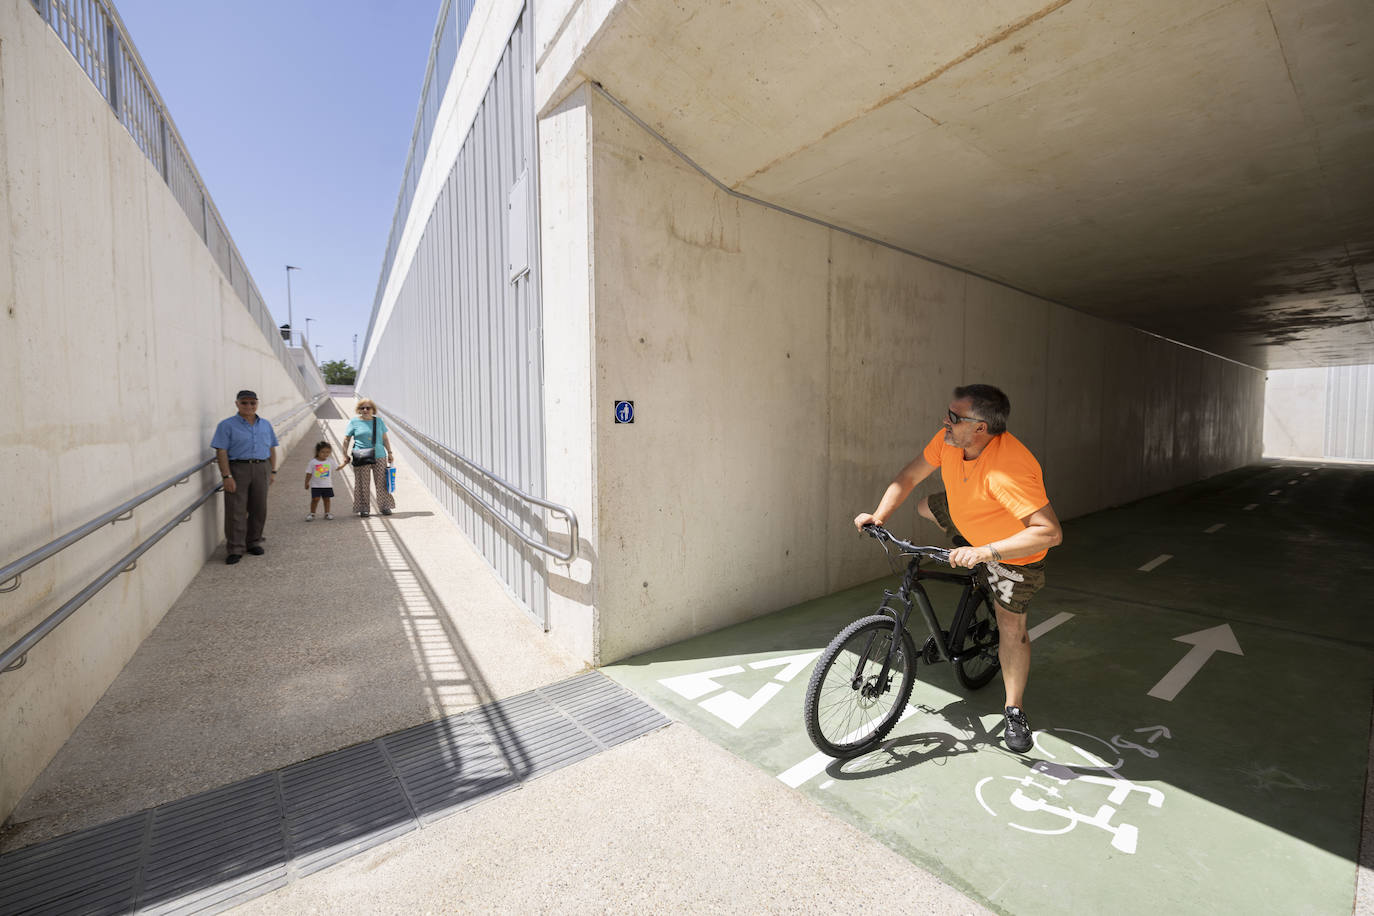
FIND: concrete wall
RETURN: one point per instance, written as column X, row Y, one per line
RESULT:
column 1295, row 413
column 782, row 372
column 121, row 346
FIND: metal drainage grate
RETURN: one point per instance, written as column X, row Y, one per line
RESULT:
column 215, row 850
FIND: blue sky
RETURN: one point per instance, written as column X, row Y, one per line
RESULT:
column 298, row 116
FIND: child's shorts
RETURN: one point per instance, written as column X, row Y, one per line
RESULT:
column 317, row 492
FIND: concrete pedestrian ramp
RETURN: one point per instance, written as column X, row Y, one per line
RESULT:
column 316, row 727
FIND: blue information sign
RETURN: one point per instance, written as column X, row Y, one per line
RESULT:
column 624, row 411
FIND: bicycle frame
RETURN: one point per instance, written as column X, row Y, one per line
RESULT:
column 911, row 588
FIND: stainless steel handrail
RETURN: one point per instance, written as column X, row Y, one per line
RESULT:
column 14, row 657
column 122, row 512
column 15, row 570
column 409, row 431
column 290, row 420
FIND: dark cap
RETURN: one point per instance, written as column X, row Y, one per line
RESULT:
column 245, row 393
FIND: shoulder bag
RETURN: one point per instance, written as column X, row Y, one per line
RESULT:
column 366, row 456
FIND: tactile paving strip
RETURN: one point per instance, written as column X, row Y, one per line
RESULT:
column 215, row 850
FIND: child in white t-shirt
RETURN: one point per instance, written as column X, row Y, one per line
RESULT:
column 319, row 479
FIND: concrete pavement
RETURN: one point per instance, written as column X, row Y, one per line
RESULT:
column 349, row 629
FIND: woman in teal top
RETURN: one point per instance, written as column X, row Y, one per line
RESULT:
column 359, row 435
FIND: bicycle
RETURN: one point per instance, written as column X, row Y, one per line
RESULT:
column 874, row 659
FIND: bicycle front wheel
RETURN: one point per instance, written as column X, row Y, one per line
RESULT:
column 850, row 706
column 975, row 632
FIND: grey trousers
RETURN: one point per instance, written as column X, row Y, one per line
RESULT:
column 245, row 510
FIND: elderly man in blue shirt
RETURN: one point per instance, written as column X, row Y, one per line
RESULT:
column 246, row 451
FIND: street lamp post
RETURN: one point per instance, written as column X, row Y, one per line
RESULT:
column 290, row 320
column 317, row 354
column 307, row 329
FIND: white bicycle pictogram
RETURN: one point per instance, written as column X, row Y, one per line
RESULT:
column 1044, row 790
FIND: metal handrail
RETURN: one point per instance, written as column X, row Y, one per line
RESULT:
column 122, row 512
column 14, row 657
column 409, row 431
column 15, row 570
column 290, row 420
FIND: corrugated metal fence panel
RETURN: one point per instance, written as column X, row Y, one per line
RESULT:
column 1350, row 413
column 459, row 357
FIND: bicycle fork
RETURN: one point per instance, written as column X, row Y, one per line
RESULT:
column 882, row 683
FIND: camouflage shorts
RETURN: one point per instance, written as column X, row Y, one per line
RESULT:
column 1012, row 596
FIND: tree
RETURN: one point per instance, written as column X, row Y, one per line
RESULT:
column 338, row 372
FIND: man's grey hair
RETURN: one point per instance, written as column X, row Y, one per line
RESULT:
column 989, row 405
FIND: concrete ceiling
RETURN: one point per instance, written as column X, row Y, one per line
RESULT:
column 1200, row 169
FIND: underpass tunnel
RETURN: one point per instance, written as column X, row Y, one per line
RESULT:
column 787, row 257
column 781, row 233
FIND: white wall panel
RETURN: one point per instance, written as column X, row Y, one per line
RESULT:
column 459, row 355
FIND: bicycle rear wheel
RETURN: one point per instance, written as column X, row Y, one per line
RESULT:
column 847, row 711
column 975, row 630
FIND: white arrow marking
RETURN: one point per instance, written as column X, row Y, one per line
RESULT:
column 794, row 665
column 1251, row 506
column 1215, row 528
column 1273, row 492
column 1159, row 731
column 1204, row 642
column 1157, row 561
column 692, row 686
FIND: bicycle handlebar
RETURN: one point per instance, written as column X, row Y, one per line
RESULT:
column 940, row 554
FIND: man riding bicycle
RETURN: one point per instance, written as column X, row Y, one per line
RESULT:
column 994, row 497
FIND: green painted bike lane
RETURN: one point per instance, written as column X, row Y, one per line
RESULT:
column 1202, row 726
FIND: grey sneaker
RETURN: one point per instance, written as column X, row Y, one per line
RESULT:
column 310, row 517
column 329, row 516
column 1018, row 732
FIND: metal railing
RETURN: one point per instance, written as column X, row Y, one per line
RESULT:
column 566, row 556
column 443, row 54
column 11, row 576
column 95, row 35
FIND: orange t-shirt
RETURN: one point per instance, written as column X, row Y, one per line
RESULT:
column 989, row 495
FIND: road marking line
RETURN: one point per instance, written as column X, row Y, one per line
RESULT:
column 1156, row 562
column 1273, row 492
column 1307, row 473
column 1215, row 528
column 1044, row 627
column 1291, row 482
column 1249, row 507
column 817, row 762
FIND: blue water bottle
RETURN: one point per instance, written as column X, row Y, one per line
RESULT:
column 391, row 479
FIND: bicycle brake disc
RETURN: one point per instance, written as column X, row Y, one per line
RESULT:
column 930, row 652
